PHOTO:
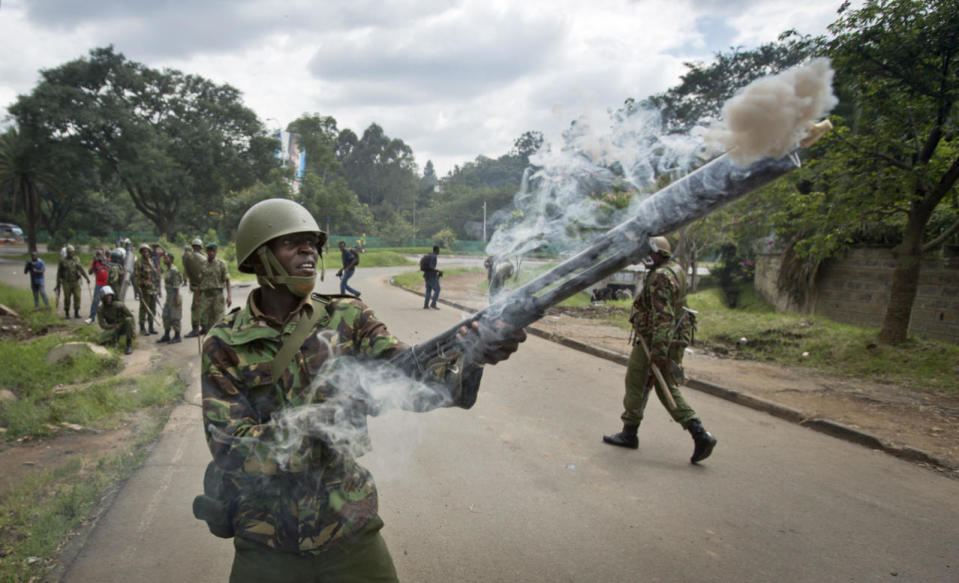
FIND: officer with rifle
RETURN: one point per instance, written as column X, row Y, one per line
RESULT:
column 662, row 329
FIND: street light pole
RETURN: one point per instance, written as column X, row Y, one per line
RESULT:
column 484, row 222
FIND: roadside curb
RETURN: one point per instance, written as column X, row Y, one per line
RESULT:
column 825, row 426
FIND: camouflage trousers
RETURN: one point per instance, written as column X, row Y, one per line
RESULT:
column 640, row 380
column 195, row 308
column 71, row 290
column 365, row 559
column 148, row 308
column 212, row 306
column 172, row 313
column 112, row 335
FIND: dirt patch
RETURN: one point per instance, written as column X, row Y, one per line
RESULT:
column 908, row 420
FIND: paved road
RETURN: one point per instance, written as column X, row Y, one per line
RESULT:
column 519, row 488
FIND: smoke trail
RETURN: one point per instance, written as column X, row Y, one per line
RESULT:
column 770, row 115
column 606, row 167
column 344, row 391
column 582, row 189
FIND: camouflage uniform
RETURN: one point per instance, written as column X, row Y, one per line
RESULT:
column 172, row 307
column 655, row 315
column 144, row 282
column 308, row 498
column 192, row 265
column 115, row 275
column 69, row 272
column 116, row 320
column 212, row 303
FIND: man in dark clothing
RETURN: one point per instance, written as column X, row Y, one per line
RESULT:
column 350, row 260
column 36, row 268
column 432, row 276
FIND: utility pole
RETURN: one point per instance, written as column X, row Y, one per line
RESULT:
column 484, row 222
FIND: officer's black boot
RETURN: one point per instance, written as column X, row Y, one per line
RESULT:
column 625, row 438
column 152, row 329
column 129, row 349
column 143, row 330
column 192, row 333
column 703, row 441
column 165, row 337
column 67, row 314
column 76, row 315
column 176, row 338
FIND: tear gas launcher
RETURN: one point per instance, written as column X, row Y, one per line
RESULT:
column 444, row 358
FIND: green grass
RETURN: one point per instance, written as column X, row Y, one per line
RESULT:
column 38, row 514
column 832, row 348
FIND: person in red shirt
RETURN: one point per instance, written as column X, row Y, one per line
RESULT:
column 98, row 269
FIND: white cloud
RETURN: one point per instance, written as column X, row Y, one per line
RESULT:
column 452, row 78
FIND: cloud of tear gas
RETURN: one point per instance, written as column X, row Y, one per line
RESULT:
column 771, row 115
column 344, row 392
column 606, row 163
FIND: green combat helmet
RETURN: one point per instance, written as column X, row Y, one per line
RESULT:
column 267, row 220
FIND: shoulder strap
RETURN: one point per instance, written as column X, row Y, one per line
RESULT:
column 681, row 279
column 296, row 338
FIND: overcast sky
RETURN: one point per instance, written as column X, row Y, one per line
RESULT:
column 454, row 79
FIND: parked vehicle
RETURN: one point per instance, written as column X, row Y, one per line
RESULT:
column 622, row 285
column 10, row 233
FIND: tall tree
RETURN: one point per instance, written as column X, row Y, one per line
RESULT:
column 380, row 170
column 24, row 170
column 899, row 60
column 176, row 143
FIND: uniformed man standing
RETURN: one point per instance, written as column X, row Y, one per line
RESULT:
column 145, row 287
column 214, row 278
column 129, row 260
column 192, row 266
column 69, row 272
column 115, row 319
column 662, row 328
column 172, row 307
column 299, row 507
column 115, row 272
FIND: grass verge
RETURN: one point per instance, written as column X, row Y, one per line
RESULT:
column 39, row 513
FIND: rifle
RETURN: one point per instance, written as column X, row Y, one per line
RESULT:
column 443, row 358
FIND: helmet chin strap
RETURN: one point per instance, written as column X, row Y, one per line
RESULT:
column 299, row 286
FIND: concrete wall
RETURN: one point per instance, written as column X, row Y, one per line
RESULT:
column 855, row 290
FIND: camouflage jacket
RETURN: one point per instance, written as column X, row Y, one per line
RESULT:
column 658, row 305
column 172, row 280
column 69, row 270
column 114, row 276
column 213, row 275
column 300, row 486
column 144, row 276
column 109, row 315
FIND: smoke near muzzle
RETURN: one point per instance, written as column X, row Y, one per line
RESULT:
column 605, row 165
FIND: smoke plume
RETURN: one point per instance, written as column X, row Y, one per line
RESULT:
column 771, row 115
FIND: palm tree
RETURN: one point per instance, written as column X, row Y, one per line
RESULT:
column 24, row 168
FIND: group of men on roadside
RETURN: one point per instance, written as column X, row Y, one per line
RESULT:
column 150, row 275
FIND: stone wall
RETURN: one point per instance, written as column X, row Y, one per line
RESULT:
column 855, row 290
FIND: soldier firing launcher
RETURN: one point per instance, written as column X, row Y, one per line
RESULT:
column 692, row 197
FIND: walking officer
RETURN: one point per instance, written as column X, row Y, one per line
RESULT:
column 193, row 261
column 214, row 278
column 145, row 288
column 69, row 272
column 172, row 307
